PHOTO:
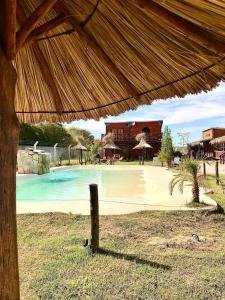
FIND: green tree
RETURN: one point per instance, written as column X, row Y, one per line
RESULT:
column 46, row 133
column 189, row 173
column 28, row 132
column 95, row 148
column 53, row 133
column 164, row 158
column 167, row 150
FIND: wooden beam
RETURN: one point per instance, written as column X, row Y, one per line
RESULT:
column 45, row 28
column 60, row 7
column 44, row 67
column 32, row 21
column 8, row 27
column 190, row 30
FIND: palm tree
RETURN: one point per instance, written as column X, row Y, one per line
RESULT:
column 189, row 172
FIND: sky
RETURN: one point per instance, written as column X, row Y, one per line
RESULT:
column 191, row 114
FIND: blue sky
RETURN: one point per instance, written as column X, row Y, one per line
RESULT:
column 192, row 114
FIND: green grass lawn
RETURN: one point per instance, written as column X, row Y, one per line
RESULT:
column 218, row 194
column 149, row 255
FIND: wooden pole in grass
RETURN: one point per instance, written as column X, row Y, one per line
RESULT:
column 217, row 172
column 94, row 217
column 204, row 170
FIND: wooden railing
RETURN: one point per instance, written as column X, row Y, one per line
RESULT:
column 218, row 153
column 132, row 137
column 221, row 156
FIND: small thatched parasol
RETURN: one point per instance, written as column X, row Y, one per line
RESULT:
column 142, row 145
column 111, row 145
column 87, row 59
column 81, row 148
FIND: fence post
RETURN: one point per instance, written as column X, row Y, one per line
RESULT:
column 94, row 217
column 217, row 172
column 204, row 170
column 55, row 153
column 69, row 154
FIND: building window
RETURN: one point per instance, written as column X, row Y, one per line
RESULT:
column 114, row 132
column 146, row 130
column 120, row 134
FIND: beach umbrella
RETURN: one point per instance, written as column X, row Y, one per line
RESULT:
column 78, row 59
column 111, row 145
column 81, row 148
column 142, row 145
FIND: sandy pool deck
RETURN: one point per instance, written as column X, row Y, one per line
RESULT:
column 156, row 197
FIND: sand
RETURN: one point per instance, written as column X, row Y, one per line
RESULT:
column 156, row 197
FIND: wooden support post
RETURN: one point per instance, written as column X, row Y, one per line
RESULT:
column 9, row 133
column 204, row 170
column 81, row 157
column 217, row 172
column 69, row 154
column 8, row 27
column 94, row 217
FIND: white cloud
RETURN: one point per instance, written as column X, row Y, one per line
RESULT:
column 174, row 112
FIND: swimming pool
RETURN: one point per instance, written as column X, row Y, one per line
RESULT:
column 73, row 184
column 122, row 189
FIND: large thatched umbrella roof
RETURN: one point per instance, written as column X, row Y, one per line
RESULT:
column 86, row 59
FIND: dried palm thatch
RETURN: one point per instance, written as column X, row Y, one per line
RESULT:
column 142, row 145
column 108, row 138
column 196, row 144
column 111, row 145
column 79, row 139
column 94, row 58
column 79, row 146
column 219, row 140
column 141, row 138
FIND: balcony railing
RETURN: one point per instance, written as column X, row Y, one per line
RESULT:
column 129, row 137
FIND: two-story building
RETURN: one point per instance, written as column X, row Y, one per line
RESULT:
column 125, row 137
column 212, row 144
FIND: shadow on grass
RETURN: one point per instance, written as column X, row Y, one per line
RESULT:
column 134, row 258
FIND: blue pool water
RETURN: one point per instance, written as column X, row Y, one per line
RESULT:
column 73, row 184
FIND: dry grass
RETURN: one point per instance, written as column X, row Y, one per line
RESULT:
column 149, row 255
